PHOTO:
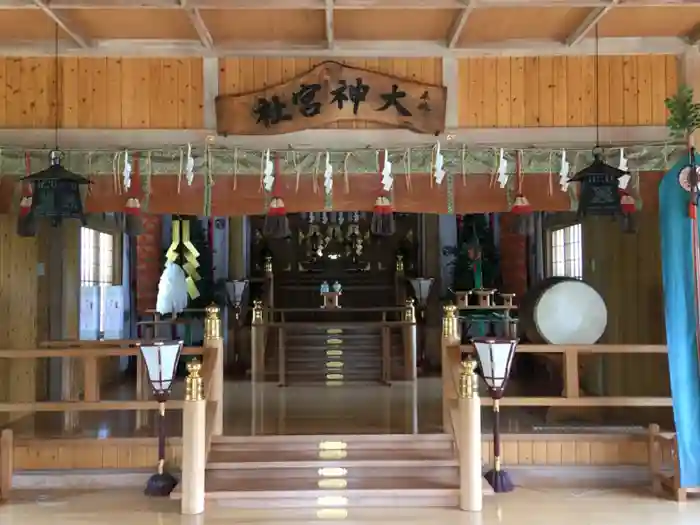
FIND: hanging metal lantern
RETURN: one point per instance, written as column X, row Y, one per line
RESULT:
column 599, row 188
column 56, row 192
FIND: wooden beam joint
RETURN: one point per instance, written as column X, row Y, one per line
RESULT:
column 61, row 23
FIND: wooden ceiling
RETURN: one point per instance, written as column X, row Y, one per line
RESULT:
column 347, row 27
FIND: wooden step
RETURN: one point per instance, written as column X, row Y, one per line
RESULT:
column 331, row 473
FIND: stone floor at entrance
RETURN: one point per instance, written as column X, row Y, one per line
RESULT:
column 351, row 408
column 525, row 506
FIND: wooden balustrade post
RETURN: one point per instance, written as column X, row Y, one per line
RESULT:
column 194, row 442
column 281, row 356
column 269, row 283
column 257, row 343
column 410, row 341
column 214, row 349
column 399, row 280
column 7, row 454
column 450, row 338
column 469, row 440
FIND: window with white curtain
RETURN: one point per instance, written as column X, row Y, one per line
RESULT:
column 566, row 252
column 97, row 263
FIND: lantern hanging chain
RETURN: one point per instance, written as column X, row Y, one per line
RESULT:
column 597, row 72
column 56, row 90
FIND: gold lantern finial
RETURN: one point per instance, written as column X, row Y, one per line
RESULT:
column 467, row 379
column 450, row 324
column 257, row 312
column 212, row 322
column 194, row 385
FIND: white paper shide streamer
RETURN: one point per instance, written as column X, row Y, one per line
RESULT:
column 623, row 181
column 328, row 175
column 502, row 178
column 189, row 166
column 126, row 174
column 387, row 177
column 564, row 172
column 439, row 172
column 172, row 290
column 268, row 172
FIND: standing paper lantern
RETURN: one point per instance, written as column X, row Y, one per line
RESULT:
column 161, row 358
column 56, row 192
column 495, row 358
column 235, row 291
column 421, row 290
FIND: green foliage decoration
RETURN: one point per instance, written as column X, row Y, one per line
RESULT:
column 683, row 113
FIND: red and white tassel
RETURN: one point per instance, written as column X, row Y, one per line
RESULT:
column 132, row 216
column 521, row 205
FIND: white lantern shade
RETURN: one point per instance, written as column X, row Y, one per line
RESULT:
column 161, row 358
column 236, row 289
column 421, row 288
column 495, row 359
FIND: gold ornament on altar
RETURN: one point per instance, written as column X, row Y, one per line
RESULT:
column 189, row 254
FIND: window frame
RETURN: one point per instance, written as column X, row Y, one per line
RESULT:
column 97, row 268
column 551, row 262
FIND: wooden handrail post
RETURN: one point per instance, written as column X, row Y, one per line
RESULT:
column 410, row 341
column 399, row 278
column 194, row 442
column 469, row 440
column 269, row 283
column 450, row 338
column 214, row 349
column 281, row 357
column 6, row 463
column 257, row 343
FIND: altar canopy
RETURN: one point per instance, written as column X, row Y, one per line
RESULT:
column 679, row 299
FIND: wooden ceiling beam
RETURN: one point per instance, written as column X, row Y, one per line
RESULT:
column 338, row 4
column 459, row 23
column 197, row 22
column 322, row 139
column 330, row 24
column 60, row 22
column 588, row 23
column 352, row 48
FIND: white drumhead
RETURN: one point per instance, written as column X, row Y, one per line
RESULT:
column 571, row 312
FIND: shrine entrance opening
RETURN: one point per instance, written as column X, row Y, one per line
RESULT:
column 353, row 342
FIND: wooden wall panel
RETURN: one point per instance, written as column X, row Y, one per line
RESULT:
column 626, row 270
column 108, row 93
column 18, row 310
column 244, row 75
column 519, row 92
column 518, row 449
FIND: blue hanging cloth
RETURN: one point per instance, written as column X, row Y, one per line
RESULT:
column 681, row 326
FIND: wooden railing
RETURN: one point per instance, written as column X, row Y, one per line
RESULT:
column 6, row 463
column 267, row 320
column 88, row 353
column 453, row 376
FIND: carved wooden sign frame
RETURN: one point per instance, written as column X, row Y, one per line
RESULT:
column 332, row 92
